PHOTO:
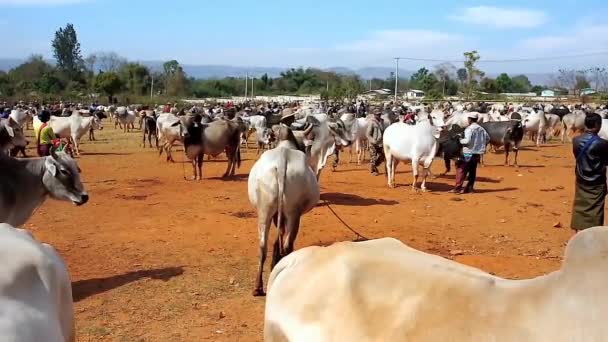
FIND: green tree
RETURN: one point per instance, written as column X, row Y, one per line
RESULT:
column 489, row 85
column 6, row 86
column 470, row 61
column 177, row 83
column 521, row 84
column 67, row 51
column 504, row 83
column 462, row 75
column 537, row 89
column 109, row 83
column 136, row 78
column 170, row 67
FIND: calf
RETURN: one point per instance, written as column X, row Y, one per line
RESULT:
column 213, row 139
column 449, row 145
column 27, row 183
column 506, row 134
column 12, row 138
column 149, row 129
column 35, row 290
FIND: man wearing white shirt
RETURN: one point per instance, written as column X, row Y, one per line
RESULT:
column 474, row 145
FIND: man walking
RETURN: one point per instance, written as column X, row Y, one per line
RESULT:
column 591, row 153
column 374, row 133
column 473, row 146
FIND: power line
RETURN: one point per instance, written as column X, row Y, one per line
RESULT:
column 532, row 59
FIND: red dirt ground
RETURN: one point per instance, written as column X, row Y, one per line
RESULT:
column 156, row 258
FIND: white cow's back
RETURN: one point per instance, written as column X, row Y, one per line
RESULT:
column 35, row 290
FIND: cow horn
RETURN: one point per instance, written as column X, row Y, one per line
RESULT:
column 53, row 153
column 308, row 130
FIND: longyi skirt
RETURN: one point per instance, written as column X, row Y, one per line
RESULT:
column 588, row 207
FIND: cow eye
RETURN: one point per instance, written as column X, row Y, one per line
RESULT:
column 64, row 172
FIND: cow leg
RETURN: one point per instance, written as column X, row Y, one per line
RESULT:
column 264, row 221
column 334, row 165
column 293, row 226
column 76, row 147
column 259, row 147
column 278, row 251
column 516, row 150
column 448, row 166
column 155, row 140
column 415, row 163
column 199, row 164
column 144, row 140
column 230, row 159
column 389, row 168
column 507, row 148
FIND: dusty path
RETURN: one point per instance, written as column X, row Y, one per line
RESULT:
column 157, row 258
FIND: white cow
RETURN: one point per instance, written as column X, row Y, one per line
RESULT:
column 281, row 185
column 21, row 117
column 359, row 139
column 170, row 130
column 537, row 125
column 572, row 123
column 35, row 290
column 257, row 124
column 74, row 126
column 417, row 143
column 383, row 290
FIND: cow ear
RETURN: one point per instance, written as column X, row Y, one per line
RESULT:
column 52, row 169
column 10, row 131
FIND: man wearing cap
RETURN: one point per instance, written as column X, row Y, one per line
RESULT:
column 473, row 146
column 374, row 133
column 591, row 156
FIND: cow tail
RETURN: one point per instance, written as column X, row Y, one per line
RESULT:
column 238, row 155
column 281, row 176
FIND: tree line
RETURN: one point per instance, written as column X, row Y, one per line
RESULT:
column 108, row 74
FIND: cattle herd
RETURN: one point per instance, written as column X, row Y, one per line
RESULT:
column 367, row 279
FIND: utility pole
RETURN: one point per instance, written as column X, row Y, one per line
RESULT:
column 327, row 86
column 246, row 85
column 370, row 85
column 252, row 87
column 152, row 87
column 396, row 78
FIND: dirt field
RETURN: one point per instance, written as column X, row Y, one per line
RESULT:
column 156, row 258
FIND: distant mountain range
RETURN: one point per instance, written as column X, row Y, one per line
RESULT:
column 221, row 71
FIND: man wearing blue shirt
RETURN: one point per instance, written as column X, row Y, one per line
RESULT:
column 474, row 145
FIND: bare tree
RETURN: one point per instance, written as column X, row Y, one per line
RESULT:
column 90, row 62
column 599, row 78
column 443, row 72
column 110, row 61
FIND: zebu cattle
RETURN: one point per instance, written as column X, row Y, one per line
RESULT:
column 603, row 133
column 383, row 290
column 458, row 118
column 170, row 130
column 21, row 117
column 35, row 290
column 537, row 124
column 449, row 145
column 26, row 184
column 507, row 135
column 359, row 140
column 74, row 126
column 149, row 130
column 282, row 187
column 257, row 124
column 11, row 136
column 326, row 134
column 417, row 143
column 213, row 139
column 573, row 123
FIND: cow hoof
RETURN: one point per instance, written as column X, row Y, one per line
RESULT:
column 259, row 293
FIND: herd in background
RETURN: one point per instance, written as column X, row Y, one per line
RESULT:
column 283, row 184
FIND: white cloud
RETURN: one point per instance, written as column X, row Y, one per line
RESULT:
column 39, row 2
column 501, row 17
column 578, row 40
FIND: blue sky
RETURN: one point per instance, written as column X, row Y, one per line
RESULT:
column 315, row 33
